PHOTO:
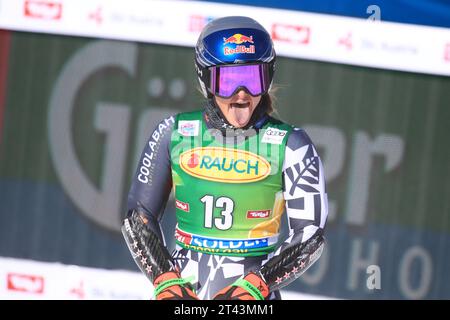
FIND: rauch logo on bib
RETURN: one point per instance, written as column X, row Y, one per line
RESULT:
column 224, row 165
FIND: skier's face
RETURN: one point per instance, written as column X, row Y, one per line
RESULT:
column 239, row 108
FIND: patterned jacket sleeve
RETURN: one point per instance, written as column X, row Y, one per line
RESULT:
column 307, row 209
column 150, row 189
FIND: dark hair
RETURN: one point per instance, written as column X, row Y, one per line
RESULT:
column 266, row 100
column 271, row 100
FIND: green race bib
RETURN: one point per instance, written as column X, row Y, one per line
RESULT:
column 228, row 197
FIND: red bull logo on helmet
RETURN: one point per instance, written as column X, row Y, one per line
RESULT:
column 238, row 39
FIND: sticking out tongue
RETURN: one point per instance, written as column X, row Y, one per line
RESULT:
column 241, row 112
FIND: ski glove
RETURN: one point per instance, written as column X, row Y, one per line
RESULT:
column 251, row 287
column 170, row 286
